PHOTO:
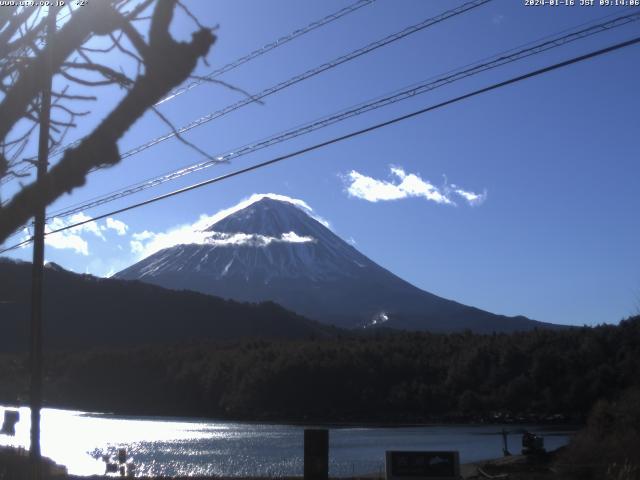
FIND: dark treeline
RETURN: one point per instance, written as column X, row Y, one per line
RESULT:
column 103, row 312
column 382, row 377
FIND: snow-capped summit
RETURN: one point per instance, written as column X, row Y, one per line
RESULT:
column 272, row 248
column 267, row 240
column 269, row 216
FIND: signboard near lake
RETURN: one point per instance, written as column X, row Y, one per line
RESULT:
column 430, row 465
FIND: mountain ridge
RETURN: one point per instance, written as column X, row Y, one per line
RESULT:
column 273, row 249
column 83, row 311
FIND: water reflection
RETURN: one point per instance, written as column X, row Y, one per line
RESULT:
column 174, row 446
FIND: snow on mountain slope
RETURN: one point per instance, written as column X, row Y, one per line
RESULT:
column 274, row 249
column 267, row 239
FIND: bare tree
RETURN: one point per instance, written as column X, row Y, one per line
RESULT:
column 160, row 64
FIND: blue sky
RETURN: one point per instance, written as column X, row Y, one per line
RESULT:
column 553, row 161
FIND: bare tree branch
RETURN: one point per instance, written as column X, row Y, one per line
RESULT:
column 105, row 71
column 177, row 135
column 96, row 17
column 167, row 63
column 15, row 22
column 229, row 86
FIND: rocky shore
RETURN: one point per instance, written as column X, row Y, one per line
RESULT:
column 14, row 464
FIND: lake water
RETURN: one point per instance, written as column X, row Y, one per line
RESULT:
column 179, row 446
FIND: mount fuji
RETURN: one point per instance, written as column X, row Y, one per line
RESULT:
column 275, row 249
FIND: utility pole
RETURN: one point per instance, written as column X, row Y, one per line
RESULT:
column 36, row 363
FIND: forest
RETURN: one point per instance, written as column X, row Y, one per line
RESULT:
column 377, row 377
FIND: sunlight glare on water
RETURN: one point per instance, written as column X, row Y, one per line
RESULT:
column 177, row 446
column 66, row 435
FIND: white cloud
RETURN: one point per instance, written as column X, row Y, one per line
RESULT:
column 404, row 186
column 210, row 220
column 471, row 197
column 89, row 227
column 293, row 237
column 67, row 241
column 143, row 235
column 184, row 236
column 104, row 267
column 117, row 225
column 71, row 239
column 252, row 240
column 146, row 243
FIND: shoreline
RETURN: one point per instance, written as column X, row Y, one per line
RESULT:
column 518, row 467
column 469, row 469
column 561, row 422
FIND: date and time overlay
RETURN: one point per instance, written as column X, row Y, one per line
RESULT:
column 526, row 3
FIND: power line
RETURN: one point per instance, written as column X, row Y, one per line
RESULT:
column 408, row 92
column 313, row 72
column 298, row 78
column 347, row 136
column 267, row 48
column 500, row 59
column 234, row 64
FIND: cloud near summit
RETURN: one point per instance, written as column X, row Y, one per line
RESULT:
column 406, row 185
column 146, row 243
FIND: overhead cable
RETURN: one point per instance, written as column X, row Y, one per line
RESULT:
column 404, row 94
column 353, row 134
